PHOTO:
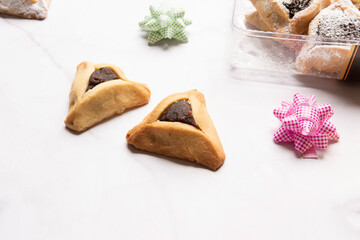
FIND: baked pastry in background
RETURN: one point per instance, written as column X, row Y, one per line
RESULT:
column 356, row 3
column 180, row 127
column 100, row 91
column 339, row 22
column 292, row 42
column 254, row 19
column 32, row 9
column 289, row 16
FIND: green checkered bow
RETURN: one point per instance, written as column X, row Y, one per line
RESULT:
column 165, row 22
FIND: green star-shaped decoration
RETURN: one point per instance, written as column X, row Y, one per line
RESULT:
column 165, row 22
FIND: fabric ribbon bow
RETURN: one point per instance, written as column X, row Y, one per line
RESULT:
column 306, row 124
column 165, row 22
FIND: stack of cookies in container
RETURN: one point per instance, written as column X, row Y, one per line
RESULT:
column 330, row 22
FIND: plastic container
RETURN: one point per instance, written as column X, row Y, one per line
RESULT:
column 278, row 54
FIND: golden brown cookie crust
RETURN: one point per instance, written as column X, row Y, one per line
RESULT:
column 254, row 19
column 356, row 3
column 180, row 140
column 104, row 100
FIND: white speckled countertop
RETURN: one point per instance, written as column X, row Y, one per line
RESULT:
column 58, row 185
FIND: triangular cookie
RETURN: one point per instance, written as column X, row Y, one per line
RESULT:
column 180, row 127
column 254, row 19
column 100, row 91
column 289, row 16
column 33, row 9
column 341, row 22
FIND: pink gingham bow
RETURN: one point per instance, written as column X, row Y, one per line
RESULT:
column 306, row 124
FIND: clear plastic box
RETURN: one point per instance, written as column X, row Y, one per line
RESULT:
column 278, row 54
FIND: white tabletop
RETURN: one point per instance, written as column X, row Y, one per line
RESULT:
column 58, row 185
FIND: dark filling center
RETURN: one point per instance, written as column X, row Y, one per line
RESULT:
column 179, row 111
column 295, row 6
column 345, row 27
column 100, row 76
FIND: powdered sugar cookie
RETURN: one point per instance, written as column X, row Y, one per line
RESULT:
column 290, row 42
column 32, row 9
column 289, row 16
column 339, row 22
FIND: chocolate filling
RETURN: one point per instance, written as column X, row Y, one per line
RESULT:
column 295, row 6
column 100, row 76
column 179, row 111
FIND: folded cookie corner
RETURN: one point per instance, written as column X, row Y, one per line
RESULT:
column 101, row 91
column 180, row 127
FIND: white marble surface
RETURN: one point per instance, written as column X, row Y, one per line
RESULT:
column 58, row 185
